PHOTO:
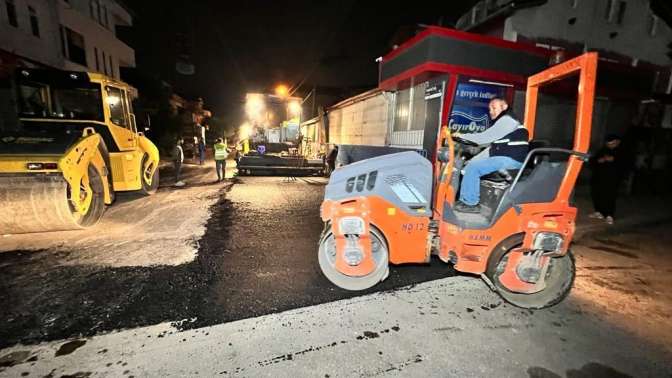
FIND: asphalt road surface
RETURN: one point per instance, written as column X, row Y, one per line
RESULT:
column 615, row 323
column 257, row 256
column 172, row 271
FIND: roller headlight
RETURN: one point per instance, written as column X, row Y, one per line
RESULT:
column 351, row 226
column 547, row 241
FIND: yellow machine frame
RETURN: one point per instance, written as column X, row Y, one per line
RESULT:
column 134, row 157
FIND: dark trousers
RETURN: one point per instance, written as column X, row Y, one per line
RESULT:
column 604, row 192
column 201, row 152
column 178, row 170
column 220, row 167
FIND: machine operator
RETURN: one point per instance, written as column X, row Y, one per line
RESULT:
column 507, row 146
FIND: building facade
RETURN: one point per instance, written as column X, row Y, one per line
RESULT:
column 363, row 119
column 78, row 35
column 623, row 30
column 634, row 73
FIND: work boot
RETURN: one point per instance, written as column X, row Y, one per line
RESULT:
column 464, row 208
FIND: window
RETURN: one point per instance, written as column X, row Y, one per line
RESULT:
column 105, row 20
column 64, row 49
column 95, row 52
column 620, row 15
column 94, row 9
column 419, row 107
column 34, row 23
column 616, row 11
column 104, row 63
column 33, row 99
column 100, row 13
column 411, row 108
column 77, row 103
column 11, row 13
column 59, row 99
column 111, row 67
column 609, row 16
column 74, row 46
column 475, row 13
column 652, row 26
column 401, row 111
column 115, row 102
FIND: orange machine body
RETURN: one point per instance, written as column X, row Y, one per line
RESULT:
column 406, row 236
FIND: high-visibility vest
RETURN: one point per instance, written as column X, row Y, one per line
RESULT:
column 220, row 151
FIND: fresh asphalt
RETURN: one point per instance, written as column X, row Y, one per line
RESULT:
column 258, row 256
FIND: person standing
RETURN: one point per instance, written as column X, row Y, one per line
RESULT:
column 330, row 159
column 200, row 129
column 609, row 168
column 221, row 154
column 195, row 150
column 178, row 159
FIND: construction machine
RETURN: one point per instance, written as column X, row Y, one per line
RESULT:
column 271, row 139
column 73, row 145
column 398, row 209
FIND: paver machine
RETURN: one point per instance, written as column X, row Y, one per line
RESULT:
column 73, row 144
column 398, row 209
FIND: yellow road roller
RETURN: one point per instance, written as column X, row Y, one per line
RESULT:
column 71, row 144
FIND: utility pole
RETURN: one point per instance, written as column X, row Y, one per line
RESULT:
column 312, row 109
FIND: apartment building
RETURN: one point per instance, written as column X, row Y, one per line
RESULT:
column 624, row 30
column 66, row 34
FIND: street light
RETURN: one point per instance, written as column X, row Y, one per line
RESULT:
column 281, row 90
column 294, row 108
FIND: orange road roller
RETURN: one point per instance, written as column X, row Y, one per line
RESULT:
column 400, row 209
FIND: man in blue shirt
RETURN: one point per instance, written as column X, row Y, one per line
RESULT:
column 507, row 142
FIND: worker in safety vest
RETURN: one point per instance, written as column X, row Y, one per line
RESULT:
column 221, row 154
column 508, row 146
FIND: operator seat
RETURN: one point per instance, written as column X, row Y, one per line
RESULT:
column 508, row 175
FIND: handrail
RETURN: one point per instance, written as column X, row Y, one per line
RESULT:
column 581, row 155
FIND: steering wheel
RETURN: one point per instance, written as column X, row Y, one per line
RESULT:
column 464, row 141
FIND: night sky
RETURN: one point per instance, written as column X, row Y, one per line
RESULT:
column 252, row 45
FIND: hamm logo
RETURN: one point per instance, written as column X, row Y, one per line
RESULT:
column 468, row 123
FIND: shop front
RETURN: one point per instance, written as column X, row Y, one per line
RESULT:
column 447, row 77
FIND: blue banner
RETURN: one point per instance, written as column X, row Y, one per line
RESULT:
column 470, row 107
